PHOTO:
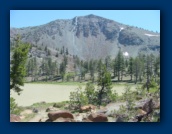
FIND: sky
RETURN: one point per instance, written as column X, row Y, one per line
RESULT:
column 147, row 19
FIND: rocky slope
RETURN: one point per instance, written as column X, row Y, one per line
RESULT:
column 88, row 37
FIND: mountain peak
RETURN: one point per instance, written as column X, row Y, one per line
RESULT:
column 92, row 16
column 89, row 36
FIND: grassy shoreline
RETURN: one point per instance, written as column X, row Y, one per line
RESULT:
column 81, row 83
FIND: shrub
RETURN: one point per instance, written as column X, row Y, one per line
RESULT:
column 77, row 99
column 90, row 93
column 14, row 109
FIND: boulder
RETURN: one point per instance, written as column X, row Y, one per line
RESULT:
column 156, row 105
column 146, row 105
column 140, row 115
column 87, row 108
column 98, row 117
column 64, row 114
column 14, row 118
column 35, row 110
column 102, row 110
column 119, row 119
column 80, row 116
column 64, row 120
column 48, row 120
column 86, row 120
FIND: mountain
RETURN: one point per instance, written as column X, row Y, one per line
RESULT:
column 88, row 37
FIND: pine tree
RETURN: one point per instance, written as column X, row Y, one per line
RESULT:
column 62, row 70
column 50, row 72
column 147, row 71
column 35, row 68
column 57, row 55
column 92, row 69
column 108, row 63
column 131, row 67
column 136, row 69
column 18, row 65
column 63, row 50
column 119, row 65
column 157, row 68
column 45, row 49
column 49, row 52
column 67, row 51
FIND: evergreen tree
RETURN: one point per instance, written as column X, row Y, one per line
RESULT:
column 157, row 68
column 92, row 69
column 54, row 69
column 35, row 68
column 67, row 51
column 45, row 49
column 131, row 67
column 136, row 69
column 63, row 50
column 49, row 52
column 50, row 72
column 108, row 63
column 46, row 70
column 119, row 65
column 18, row 65
column 147, row 71
column 104, row 84
column 57, row 55
column 62, row 70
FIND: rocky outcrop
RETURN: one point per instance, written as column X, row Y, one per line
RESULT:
column 146, row 105
column 98, row 117
column 87, row 108
column 129, row 38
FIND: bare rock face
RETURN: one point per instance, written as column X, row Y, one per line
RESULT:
column 86, row 37
column 14, row 118
column 129, row 38
column 64, row 114
column 98, row 117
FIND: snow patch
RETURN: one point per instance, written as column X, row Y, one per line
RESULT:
column 151, row 35
column 121, row 28
column 126, row 54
